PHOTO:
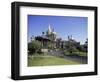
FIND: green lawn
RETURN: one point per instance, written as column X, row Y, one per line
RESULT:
column 46, row 60
column 79, row 53
column 83, row 54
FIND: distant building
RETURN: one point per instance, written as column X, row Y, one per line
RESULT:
column 51, row 34
column 49, row 39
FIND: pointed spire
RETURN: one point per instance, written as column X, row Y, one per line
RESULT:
column 49, row 29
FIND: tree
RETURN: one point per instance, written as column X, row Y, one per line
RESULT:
column 34, row 46
column 71, row 47
column 86, row 45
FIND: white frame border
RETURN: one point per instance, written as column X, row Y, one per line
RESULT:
column 24, row 70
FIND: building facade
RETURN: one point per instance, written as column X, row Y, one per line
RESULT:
column 49, row 40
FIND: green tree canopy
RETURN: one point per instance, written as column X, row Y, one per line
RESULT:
column 34, row 46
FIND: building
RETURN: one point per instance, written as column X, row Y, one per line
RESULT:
column 51, row 34
column 49, row 40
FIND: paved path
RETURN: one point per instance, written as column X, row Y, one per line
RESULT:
column 83, row 60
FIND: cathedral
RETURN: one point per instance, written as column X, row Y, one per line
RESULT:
column 50, row 41
column 51, row 34
column 48, row 38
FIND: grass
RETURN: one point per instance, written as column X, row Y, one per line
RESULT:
column 47, row 60
column 78, row 53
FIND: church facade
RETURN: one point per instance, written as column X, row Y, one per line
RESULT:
column 50, row 41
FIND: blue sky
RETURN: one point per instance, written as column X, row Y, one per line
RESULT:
column 63, row 25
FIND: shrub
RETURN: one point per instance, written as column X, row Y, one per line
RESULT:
column 34, row 46
column 50, row 46
column 65, row 52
